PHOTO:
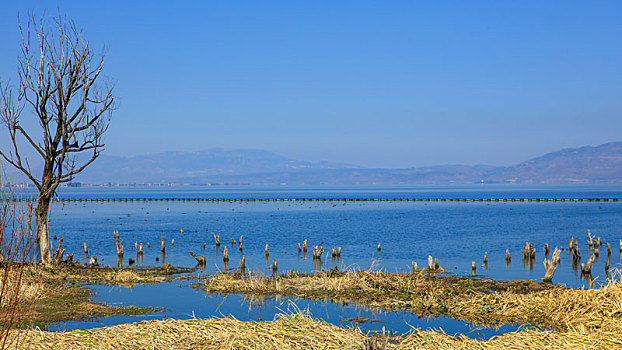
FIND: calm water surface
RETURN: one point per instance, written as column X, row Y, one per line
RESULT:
column 456, row 233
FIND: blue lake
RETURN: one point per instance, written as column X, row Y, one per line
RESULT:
column 456, row 233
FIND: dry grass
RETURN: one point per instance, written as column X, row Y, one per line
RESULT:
column 296, row 331
column 108, row 275
column 486, row 303
column 27, row 291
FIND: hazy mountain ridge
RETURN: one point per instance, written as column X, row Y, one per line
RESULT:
column 599, row 164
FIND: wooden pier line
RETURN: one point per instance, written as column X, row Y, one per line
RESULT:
column 340, row 200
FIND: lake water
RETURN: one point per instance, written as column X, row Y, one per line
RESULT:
column 456, row 233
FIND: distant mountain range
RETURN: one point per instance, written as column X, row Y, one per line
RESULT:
column 585, row 165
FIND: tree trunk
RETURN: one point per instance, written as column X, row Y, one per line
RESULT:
column 43, row 234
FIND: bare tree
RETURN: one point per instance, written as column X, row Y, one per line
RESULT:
column 60, row 90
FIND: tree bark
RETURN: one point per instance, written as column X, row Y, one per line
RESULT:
column 43, row 235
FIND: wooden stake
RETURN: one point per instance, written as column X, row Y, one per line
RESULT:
column 267, row 253
column 163, row 246
column 173, row 242
column 415, row 267
column 339, row 252
column 486, row 258
column 274, row 267
column 378, row 248
column 473, row 267
column 299, row 248
column 430, row 262
column 225, row 255
column 546, row 250
column 304, row 246
column 508, row 257
column 243, row 264
column 86, row 250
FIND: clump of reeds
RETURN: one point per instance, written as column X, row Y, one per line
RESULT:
column 16, row 242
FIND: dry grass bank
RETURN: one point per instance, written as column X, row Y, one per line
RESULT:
column 293, row 332
column 484, row 302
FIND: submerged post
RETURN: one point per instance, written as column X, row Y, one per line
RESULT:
column 473, row 267
column 243, row 265
column 508, row 257
column 430, row 262
column 225, row 255
column 486, row 258
column 378, row 248
column 267, row 252
column 163, row 245
column 415, row 267
column 304, row 246
column 274, row 267
column 546, row 250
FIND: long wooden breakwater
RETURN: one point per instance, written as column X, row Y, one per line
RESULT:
column 340, row 200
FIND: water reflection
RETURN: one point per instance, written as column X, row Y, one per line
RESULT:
column 188, row 301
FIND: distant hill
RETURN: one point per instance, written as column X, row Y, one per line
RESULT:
column 586, row 165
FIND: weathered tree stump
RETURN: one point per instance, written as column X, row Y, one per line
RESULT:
column 339, row 252
column 415, row 267
column 486, row 258
column 473, row 267
column 216, row 239
column 119, row 243
column 163, row 249
column 266, row 251
column 200, row 259
column 379, row 248
column 304, row 246
column 508, row 257
column 587, row 267
column 299, row 248
column 225, row 255
column 275, row 269
column 430, row 262
column 551, row 265
column 243, row 265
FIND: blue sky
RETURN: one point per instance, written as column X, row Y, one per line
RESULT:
column 376, row 83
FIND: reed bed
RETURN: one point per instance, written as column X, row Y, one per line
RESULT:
column 487, row 303
column 285, row 332
column 294, row 331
